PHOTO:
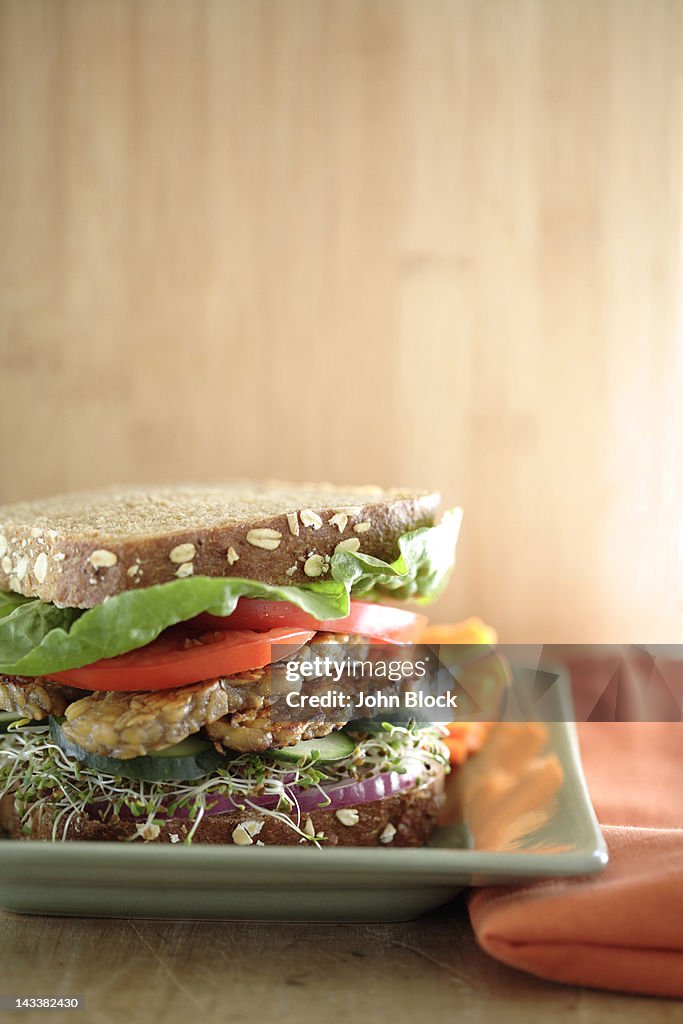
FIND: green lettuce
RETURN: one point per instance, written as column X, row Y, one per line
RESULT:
column 421, row 570
column 37, row 638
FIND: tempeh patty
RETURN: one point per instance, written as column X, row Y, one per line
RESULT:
column 237, row 711
column 35, row 697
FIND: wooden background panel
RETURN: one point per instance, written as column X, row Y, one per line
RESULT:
column 433, row 243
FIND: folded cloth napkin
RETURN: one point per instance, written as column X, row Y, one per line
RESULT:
column 621, row 929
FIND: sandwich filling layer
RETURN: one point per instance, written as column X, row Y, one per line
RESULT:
column 47, row 792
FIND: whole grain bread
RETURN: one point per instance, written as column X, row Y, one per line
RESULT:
column 75, row 550
column 404, row 819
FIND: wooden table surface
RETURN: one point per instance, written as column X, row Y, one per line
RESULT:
column 241, row 972
column 432, row 243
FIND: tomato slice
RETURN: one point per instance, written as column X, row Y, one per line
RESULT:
column 375, row 621
column 181, row 656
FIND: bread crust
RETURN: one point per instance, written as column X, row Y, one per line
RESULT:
column 77, row 550
column 412, row 813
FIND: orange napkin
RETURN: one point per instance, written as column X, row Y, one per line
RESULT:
column 622, row 929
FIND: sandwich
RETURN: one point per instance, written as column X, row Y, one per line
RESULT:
column 143, row 639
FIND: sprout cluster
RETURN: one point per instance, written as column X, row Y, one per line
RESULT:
column 43, row 778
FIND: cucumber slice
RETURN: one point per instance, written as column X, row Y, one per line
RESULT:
column 191, row 759
column 332, row 747
column 190, row 747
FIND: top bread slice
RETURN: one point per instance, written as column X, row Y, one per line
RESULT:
column 76, row 550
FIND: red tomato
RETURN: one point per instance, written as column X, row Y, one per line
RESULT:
column 376, row 621
column 180, row 656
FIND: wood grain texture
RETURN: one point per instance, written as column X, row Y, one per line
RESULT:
column 432, row 243
column 138, row 971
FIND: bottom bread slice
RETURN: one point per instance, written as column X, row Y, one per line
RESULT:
column 406, row 818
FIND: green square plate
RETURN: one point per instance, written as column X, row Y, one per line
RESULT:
column 518, row 811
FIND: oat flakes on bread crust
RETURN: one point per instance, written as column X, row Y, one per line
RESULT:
column 76, row 550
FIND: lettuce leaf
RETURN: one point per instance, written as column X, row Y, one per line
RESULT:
column 37, row 638
column 421, row 571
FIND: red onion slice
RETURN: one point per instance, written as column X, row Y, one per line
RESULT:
column 345, row 793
